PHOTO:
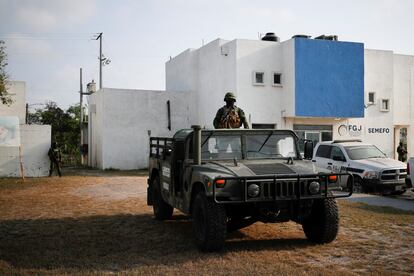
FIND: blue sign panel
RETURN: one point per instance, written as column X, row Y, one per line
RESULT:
column 329, row 78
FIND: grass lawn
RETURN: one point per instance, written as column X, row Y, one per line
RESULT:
column 100, row 224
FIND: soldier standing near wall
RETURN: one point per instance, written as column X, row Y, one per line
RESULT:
column 55, row 157
column 230, row 116
column 402, row 152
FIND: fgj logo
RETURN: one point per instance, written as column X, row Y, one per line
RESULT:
column 351, row 130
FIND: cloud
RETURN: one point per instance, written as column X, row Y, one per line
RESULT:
column 28, row 47
column 44, row 16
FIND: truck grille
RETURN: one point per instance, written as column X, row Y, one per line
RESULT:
column 283, row 188
column 394, row 174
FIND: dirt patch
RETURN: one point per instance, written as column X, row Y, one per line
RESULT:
column 101, row 225
column 115, row 188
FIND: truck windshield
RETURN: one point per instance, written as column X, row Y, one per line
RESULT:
column 221, row 147
column 364, row 152
column 270, row 146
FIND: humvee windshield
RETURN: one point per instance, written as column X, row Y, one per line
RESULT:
column 256, row 146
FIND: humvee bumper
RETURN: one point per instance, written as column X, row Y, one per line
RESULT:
column 280, row 187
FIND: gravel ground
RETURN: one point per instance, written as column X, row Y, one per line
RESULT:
column 124, row 187
column 115, row 188
column 99, row 224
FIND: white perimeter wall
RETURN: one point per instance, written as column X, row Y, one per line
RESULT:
column 35, row 140
column 126, row 120
column 17, row 90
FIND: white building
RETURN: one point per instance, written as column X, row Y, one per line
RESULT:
column 121, row 122
column 322, row 88
column 35, row 140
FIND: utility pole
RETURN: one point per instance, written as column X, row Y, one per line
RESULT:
column 81, row 104
column 81, row 114
column 101, row 59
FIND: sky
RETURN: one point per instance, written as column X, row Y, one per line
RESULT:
column 49, row 40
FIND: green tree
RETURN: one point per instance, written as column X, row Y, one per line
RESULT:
column 5, row 98
column 65, row 125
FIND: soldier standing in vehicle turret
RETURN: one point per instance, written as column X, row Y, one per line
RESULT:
column 55, row 157
column 230, row 116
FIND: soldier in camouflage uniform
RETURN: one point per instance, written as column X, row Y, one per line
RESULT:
column 55, row 157
column 230, row 116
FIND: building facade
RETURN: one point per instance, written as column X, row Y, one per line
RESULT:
column 322, row 89
column 34, row 140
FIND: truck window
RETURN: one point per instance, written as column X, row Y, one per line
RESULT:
column 270, row 146
column 221, row 147
column 324, row 151
column 364, row 152
column 337, row 152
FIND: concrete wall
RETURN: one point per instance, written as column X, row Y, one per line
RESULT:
column 216, row 76
column 262, row 103
column 377, row 126
column 330, row 75
column 95, row 129
column 403, row 98
column 121, row 127
column 221, row 66
column 17, row 90
column 35, row 140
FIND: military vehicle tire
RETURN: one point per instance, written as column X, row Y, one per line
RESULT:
column 323, row 223
column 162, row 210
column 359, row 186
column 209, row 223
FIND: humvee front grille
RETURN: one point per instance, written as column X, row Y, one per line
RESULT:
column 284, row 187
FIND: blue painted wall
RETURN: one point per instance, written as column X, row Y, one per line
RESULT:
column 329, row 78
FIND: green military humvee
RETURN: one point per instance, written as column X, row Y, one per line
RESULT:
column 227, row 179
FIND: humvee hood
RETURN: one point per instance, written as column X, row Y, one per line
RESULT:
column 258, row 167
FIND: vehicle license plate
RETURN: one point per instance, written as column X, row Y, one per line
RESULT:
column 398, row 188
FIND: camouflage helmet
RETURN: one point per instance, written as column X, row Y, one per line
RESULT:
column 229, row 96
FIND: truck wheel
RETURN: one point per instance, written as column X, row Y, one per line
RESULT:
column 209, row 223
column 162, row 210
column 323, row 222
column 358, row 186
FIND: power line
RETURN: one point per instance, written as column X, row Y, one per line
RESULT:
column 47, row 36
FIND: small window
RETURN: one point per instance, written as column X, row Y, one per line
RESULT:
column 277, row 79
column 385, row 105
column 371, row 98
column 258, row 78
column 324, row 151
column 336, row 154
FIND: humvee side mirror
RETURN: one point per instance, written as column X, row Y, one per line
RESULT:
column 308, row 154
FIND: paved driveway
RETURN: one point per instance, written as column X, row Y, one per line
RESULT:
column 405, row 202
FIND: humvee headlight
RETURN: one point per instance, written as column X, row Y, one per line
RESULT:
column 314, row 187
column 253, row 190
